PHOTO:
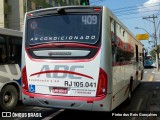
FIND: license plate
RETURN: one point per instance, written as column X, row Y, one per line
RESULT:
column 60, row 90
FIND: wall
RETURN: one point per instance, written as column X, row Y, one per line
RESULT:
column 13, row 16
column 2, row 14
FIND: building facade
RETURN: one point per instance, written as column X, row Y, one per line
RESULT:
column 12, row 11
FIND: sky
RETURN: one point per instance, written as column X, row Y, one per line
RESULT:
column 131, row 13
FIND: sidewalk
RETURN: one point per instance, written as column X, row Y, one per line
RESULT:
column 156, row 75
column 153, row 101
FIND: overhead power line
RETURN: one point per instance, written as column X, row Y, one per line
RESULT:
column 131, row 17
column 132, row 10
column 137, row 6
column 131, row 13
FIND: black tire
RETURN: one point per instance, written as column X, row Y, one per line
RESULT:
column 142, row 74
column 128, row 100
column 8, row 98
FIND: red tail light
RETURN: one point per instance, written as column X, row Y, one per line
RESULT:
column 30, row 15
column 24, row 79
column 102, row 83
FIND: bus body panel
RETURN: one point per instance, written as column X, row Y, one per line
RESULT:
column 106, row 48
column 118, row 76
column 121, row 81
column 101, row 104
column 8, row 73
column 123, row 71
column 78, row 79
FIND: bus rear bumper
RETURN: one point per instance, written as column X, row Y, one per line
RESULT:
column 77, row 103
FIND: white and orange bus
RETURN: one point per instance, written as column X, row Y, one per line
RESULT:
column 79, row 57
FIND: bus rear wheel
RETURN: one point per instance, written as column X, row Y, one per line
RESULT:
column 128, row 100
column 8, row 98
column 142, row 74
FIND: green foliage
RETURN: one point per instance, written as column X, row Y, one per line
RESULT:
column 41, row 3
column 153, row 52
column 84, row 2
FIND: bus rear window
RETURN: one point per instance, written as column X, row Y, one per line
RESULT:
column 81, row 28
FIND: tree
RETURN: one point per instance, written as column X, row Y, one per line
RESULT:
column 84, row 2
column 153, row 51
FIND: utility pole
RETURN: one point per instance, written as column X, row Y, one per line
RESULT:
column 155, row 37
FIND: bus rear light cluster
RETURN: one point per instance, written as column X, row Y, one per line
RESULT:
column 24, row 79
column 102, row 83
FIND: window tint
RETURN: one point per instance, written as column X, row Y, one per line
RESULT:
column 83, row 28
column 10, row 50
column 119, row 54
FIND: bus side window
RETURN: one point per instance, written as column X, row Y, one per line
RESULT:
column 113, row 39
column 15, row 50
column 12, row 55
column 137, row 53
column 18, row 53
column 119, row 55
column 1, row 56
column 2, row 50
